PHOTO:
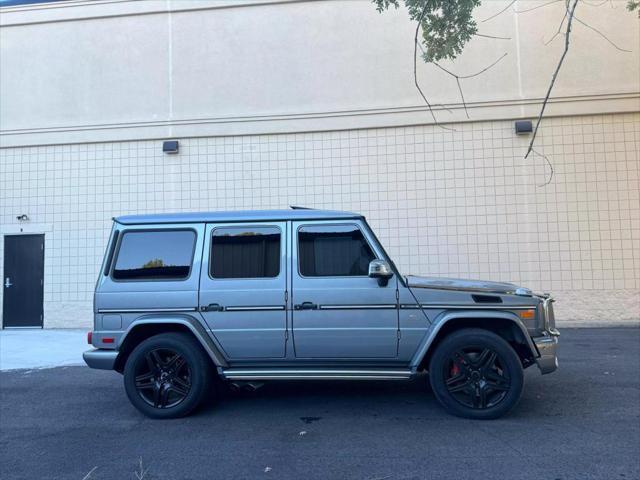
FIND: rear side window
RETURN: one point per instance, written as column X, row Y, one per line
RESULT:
column 333, row 251
column 155, row 255
column 245, row 252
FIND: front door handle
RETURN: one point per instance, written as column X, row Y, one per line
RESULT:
column 212, row 307
column 305, row 306
column 7, row 282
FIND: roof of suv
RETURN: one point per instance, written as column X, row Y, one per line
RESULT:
column 236, row 216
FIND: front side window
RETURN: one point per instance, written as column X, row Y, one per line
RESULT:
column 333, row 251
column 155, row 255
column 245, row 252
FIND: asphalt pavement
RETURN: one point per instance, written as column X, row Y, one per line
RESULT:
column 581, row 422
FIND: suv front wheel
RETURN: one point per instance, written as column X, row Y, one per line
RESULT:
column 167, row 375
column 475, row 373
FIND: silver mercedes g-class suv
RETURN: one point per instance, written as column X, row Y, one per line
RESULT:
column 245, row 297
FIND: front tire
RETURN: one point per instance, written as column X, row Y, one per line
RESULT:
column 167, row 375
column 476, row 374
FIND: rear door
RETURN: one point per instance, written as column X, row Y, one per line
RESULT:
column 338, row 310
column 242, row 288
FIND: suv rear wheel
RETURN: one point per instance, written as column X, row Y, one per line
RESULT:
column 475, row 373
column 167, row 375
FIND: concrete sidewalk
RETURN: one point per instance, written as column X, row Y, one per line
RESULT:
column 22, row 349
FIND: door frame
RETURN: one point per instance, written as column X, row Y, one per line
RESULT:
column 4, row 264
column 240, row 314
column 347, row 308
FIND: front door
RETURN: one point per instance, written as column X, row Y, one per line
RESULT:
column 338, row 310
column 243, row 287
column 23, row 280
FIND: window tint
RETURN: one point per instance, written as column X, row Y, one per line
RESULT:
column 241, row 252
column 333, row 251
column 160, row 255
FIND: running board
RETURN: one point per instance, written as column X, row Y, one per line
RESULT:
column 311, row 374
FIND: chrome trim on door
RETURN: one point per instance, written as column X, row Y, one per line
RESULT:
column 358, row 307
column 146, row 310
column 254, row 308
column 473, row 306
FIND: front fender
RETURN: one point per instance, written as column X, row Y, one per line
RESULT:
column 193, row 325
column 451, row 316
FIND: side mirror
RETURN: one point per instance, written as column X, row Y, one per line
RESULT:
column 381, row 270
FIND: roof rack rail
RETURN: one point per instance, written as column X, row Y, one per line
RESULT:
column 295, row 207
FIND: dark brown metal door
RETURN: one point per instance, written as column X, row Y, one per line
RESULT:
column 23, row 280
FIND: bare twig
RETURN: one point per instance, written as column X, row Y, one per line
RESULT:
column 559, row 31
column 537, row 6
column 415, row 66
column 491, row 36
column 88, row 475
column 601, row 34
column 500, row 12
column 567, row 37
column 415, row 61
column 459, row 77
column 550, row 167
column 472, row 74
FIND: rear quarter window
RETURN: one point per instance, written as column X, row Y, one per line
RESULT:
column 154, row 255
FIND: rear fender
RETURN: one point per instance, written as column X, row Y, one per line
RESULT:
column 198, row 331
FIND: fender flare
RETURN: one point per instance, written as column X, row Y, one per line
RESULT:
column 198, row 331
column 449, row 316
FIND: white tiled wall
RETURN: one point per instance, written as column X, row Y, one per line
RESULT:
column 448, row 203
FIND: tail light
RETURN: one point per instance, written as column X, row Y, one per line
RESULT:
column 89, row 338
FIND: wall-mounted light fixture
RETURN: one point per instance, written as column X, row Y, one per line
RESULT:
column 524, row 127
column 23, row 218
column 170, row 146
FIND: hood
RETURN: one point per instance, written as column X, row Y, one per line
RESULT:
column 465, row 285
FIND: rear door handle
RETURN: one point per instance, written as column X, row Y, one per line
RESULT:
column 305, row 306
column 7, row 283
column 212, row 307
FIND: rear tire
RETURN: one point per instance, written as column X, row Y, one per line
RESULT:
column 476, row 374
column 167, row 375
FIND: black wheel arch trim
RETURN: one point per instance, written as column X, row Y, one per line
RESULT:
column 193, row 325
column 447, row 317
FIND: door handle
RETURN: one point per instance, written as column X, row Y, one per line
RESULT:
column 7, row 283
column 212, row 307
column 305, row 306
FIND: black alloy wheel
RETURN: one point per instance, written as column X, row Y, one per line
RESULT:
column 475, row 373
column 163, row 379
column 476, row 378
column 168, row 375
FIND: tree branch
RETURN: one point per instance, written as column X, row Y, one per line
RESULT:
column 555, row 74
column 459, row 77
column 491, row 36
column 537, row 6
column 415, row 67
column 500, row 12
column 601, row 34
column 550, row 167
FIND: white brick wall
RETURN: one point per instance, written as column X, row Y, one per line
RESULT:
column 449, row 203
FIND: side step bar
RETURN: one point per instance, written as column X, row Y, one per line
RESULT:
column 311, row 374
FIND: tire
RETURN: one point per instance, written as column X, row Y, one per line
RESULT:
column 476, row 374
column 167, row 375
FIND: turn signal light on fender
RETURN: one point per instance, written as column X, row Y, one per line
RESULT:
column 107, row 340
column 527, row 314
